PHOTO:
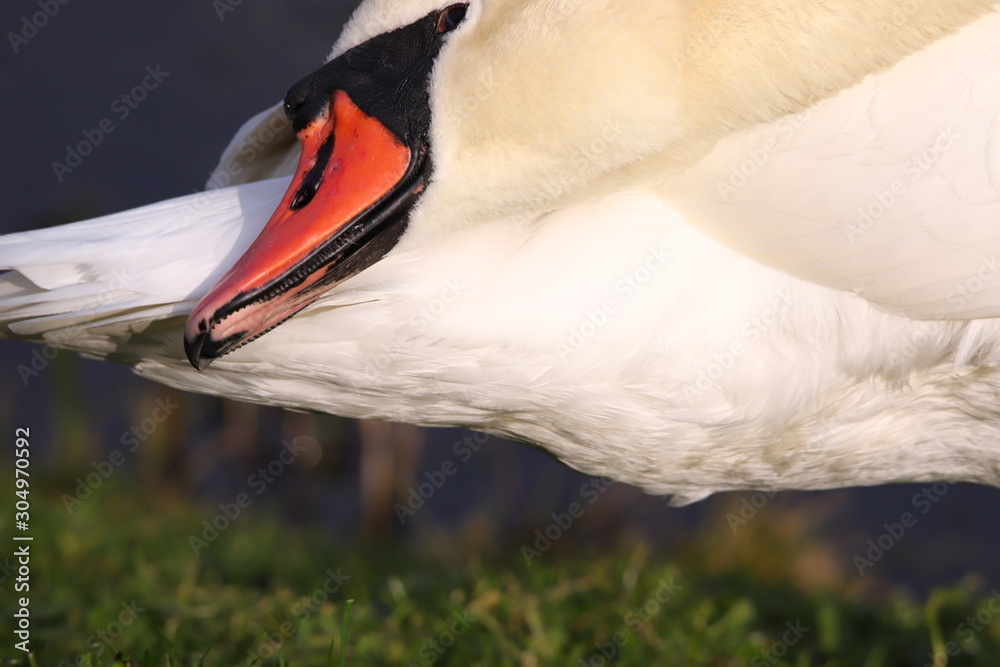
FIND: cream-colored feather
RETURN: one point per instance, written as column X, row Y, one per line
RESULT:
column 889, row 189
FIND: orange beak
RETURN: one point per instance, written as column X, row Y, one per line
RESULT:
column 363, row 120
column 354, row 173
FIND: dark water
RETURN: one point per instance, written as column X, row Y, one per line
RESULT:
column 200, row 76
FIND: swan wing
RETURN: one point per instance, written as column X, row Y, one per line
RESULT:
column 92, row 285
column 889, row 189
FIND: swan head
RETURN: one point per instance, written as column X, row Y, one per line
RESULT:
column 429, row 116
column 433, row 115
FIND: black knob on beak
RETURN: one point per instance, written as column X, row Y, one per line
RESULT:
column 310, row 98
column 295, row 99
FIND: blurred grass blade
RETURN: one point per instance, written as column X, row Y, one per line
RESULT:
column 344, row 625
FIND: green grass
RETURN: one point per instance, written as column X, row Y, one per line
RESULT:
column 122, row 564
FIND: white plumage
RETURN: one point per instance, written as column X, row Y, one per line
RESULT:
column 687, row 325
column 890, row 189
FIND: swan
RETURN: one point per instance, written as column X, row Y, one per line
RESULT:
column 692, row 247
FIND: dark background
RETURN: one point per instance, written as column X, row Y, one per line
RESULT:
column 65, row 79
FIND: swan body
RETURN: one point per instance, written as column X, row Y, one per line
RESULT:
column 605, row 276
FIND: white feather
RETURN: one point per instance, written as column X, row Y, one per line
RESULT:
column 613, row 332
column 633, row 335
column 890, row 189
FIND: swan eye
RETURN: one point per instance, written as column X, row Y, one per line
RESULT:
column 451, row 18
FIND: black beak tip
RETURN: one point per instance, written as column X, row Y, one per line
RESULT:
column 194, row 347
column 202, row 349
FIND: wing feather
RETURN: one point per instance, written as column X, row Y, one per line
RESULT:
column 889, row 189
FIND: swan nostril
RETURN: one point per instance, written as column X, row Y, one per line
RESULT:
column 294, row 101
